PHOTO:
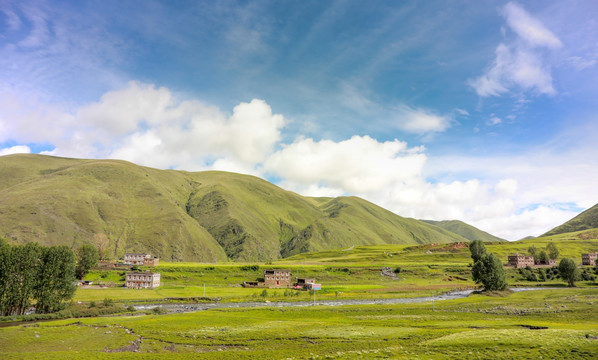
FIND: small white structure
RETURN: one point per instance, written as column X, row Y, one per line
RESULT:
column 136, row 259
column 142, row 280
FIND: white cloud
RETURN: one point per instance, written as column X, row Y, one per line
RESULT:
column 357, row 165
column 493, row 121
column 420, row 121
column 17, row 149
column 529, row 28
column 521, row 63
column 151, row 126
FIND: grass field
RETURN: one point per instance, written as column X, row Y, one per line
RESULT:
column 538, row 324
column 554, row 323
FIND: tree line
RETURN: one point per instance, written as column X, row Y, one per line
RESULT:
column 34, row 274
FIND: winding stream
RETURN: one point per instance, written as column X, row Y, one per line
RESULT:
column 192, row 307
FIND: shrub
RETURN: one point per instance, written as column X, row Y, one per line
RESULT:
column 250, row 267
column 397, row 270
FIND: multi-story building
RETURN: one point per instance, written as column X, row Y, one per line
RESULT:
column 141, row 259
column 589, row 259
column 277, row 277
column 142, row 280
column 135, row 258
column 520, row 261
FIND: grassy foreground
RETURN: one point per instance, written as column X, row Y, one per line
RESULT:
column 538, row 324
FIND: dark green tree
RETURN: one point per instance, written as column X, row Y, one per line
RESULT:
column 87, row 258
column 24, row 267
column 568, row 271
column 5, row 271
column 477, row 250
column 552, row 250
column 490, row 272
column 532, row 251
column 542, row 256
column 55, row 282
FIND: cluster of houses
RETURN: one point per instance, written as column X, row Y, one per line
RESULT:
column 141, row 259
column 277, row 278
column 521, row 261
column 141, row 280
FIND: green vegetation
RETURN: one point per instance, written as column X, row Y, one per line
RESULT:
column 35, row 273
column 87, row 258
column 568, row 271
column 467, row 231
column 180, row 216
column 489, row 272
column 538, row 324
column 584, row 221
column 477, row 250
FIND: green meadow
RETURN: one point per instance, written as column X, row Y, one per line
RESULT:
column 552, row 323
column 537, row 324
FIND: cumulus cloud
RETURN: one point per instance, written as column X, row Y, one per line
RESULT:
column 522, row 63
column 151, row 126
column 17, row 149
column 357, row 165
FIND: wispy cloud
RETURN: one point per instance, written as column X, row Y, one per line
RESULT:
column 520, row 64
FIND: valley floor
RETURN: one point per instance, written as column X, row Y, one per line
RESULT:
column 545, row 324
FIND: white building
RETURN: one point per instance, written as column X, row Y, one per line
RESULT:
column 142, row 280
column 136, row 259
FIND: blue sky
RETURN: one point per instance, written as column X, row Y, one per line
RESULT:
column 483, row 112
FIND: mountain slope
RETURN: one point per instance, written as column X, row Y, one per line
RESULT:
column 205, row 216
column 463, row 229
column 584, row 221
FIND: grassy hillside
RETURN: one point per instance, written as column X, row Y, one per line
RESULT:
column 586, row 220
column 182, row 216
column 467, row 231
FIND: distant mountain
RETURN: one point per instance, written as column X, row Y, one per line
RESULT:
column 463, row 229
column 584, row 221
column 183, row 216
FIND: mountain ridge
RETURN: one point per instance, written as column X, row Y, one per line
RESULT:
column 209, row 216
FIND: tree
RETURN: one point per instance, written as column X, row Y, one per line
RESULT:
column 490, row 272
column 477, row 249
column 55, row 279
column 553, row 252
column 101, row 243
column 533, row 251
column 542, row 256
column 568, row 271
column 87, row 258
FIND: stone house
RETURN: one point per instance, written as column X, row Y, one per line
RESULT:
column 142, row 280
column 277, row 277
column 520, row 261
column 272, row 278
column 141, row 259
column 589, row 259
column 152, row 261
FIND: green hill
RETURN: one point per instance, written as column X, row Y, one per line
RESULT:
column 584, row 221
column 182, row 216
column 467, row 231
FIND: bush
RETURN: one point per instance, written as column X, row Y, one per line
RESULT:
column 397, row 270
column 249, row 267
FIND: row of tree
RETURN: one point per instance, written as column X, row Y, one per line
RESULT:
column 41, row 275
column 550, row 252
column 489, row 271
